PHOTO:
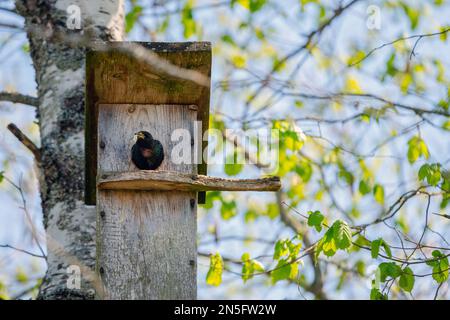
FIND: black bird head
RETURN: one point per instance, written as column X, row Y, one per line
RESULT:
column 144, row 139
column 146, row 153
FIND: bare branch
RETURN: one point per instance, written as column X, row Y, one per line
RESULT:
column 331, row 96
column 442, row 215
column 417, row 36
column 26, row 141
column 306, row 45
column 19, row 98
column 134, row 50
column 22, row 250
column 11, row 26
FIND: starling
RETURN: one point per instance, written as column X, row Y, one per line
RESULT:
column 147, row 153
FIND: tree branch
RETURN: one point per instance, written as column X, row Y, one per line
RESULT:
column 19, row 98
column 22, row 250
column 418, row 36
column 316, row 287
column 25, row 141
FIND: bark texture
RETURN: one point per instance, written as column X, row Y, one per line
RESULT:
column 70, row 225
column 175, row 181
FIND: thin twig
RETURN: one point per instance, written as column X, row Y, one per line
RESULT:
column 419, row 36
column 22, row 250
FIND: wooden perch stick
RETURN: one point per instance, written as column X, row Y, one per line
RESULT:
column 25, row 140
column 169, row 181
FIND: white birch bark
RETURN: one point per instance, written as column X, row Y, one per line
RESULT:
column 70, row 225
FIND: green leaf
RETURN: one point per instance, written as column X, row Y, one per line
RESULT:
column 375, row 248
column 346, row 175
column 272, row 210
column 1, row 176
column 214, row 276
column 375, row 294
column 342, row 234
column 391, row 70
column 285, row 248
column 239, row 61
column 3, row 291
column 407, row 279
column 328, row 244
column 315, row 220
column 338, row 236
column 228, row 209
column 364, row 187
column 231, row 167
column 281, row 249
column 389, row 269
column 21, row 276
column 434, row 174
column 362, row 241
column 440, row 266
column 423, row 171
column 256, row 5
column 378, row 193
column 360, row 267
column 132, row 17
column 187, row 20
column 431, row 172
column 227, row 38
column 26, row 48
column 365, row 117
column 249, row 267
column 446, row 125
column 299, row 104
column 413, row 15
column 417, row 148
column 251, row 5
column 386, row 248
column 211, row 196
column 304, row 169
column 284, row 270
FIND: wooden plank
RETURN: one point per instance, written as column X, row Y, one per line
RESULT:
column 113, row 77
column 169, row 180
column 120, row 122
column 146, row 245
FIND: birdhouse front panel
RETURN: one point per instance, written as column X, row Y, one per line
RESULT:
column 120, row 123
column 146, row 239
column 134, row 225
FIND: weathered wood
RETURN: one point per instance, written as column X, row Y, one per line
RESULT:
column 121, row 121
column 114, row 77
column 146, row 245
column 169, row 180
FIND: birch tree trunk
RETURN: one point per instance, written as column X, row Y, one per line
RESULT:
column 69, row 223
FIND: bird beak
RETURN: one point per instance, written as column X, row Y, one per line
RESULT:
column 138, row 136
